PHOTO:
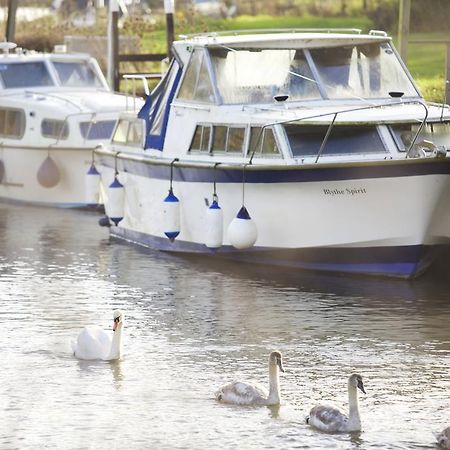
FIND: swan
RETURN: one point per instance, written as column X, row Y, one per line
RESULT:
column 240, row 393
column 331, row 420
column 443, row 438
column 95, row 343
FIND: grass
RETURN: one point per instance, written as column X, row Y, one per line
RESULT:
column 426, row 63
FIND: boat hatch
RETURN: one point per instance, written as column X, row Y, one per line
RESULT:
column 306, row 140
column 369, row 71
column 436, row 134
column 156, row 109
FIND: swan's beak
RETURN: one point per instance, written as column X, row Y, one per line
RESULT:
column 361, row 386
column 116, row 323
column 280, row 365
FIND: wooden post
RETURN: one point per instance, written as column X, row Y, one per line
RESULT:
column 11, row 21
column 403, row 28
column 169, row 8
column 447, row 75
column 113, row 45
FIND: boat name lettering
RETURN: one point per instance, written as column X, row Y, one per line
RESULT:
column 346, row 191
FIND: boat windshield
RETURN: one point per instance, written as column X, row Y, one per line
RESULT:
column 76, row 74
column 354, row 71
column 25, row 74
column 366, row 71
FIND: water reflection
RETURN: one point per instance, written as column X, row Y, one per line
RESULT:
column 93, row 367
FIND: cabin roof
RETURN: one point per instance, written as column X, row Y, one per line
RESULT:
column 280, row 40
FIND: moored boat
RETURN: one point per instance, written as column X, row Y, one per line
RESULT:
column 300, row 148
column 55, row 108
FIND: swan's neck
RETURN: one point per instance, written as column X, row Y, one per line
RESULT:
column 116, row 344
column 274, row 386
column 354, row 421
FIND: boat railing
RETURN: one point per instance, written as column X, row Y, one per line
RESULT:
column 335, row 114
column 272, row 31
column 91, row 117
column 134, row 78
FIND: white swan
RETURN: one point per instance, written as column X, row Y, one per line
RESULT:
column 331, row 420
column 240, row 393
column 443, row 438
column 95, row 343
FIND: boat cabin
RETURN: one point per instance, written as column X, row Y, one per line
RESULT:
column 288, row 96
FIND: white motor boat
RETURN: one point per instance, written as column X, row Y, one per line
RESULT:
column 310, row 149
column 55, row 109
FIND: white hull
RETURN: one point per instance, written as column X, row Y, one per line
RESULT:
column 340, row 216
column 20, row 181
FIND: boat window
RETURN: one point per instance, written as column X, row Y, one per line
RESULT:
column 361, row 71
column 120, row 135
column 12, row 123
column 97, row 130
column 228, row 139
column 196, row 84
column 135, row 133
column 56, row 129
column 263, row 143
column 306, row 140
column 219, row 139
column 201, row 139
column 280, row 72
column 128, row 132
column 235, row 140
column 78, row 73
column 435, row 133
column 28, row 74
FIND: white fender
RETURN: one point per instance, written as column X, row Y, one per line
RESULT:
column 48, row 174
column 92, row 186
column 242, row 232
column 116, row 201
column 171, row 214
column 214, row 226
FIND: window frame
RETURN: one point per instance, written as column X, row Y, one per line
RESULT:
column 260, row 154
column 246, row 141
column 375, row 127
column 21, row 117
column 63, row 132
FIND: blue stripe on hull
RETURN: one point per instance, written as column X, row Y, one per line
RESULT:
column 283, row 174
column 399, row 261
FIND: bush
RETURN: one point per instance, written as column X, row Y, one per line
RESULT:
column 384, row 15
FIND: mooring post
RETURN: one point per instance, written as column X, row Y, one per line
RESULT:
column 11, row 21
column 113, row 45
column 404, row 16
column 169, row 8
column 447, row 75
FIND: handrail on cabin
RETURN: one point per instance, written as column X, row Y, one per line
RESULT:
column 336, row 113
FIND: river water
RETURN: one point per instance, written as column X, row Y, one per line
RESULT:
column 192, row 325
